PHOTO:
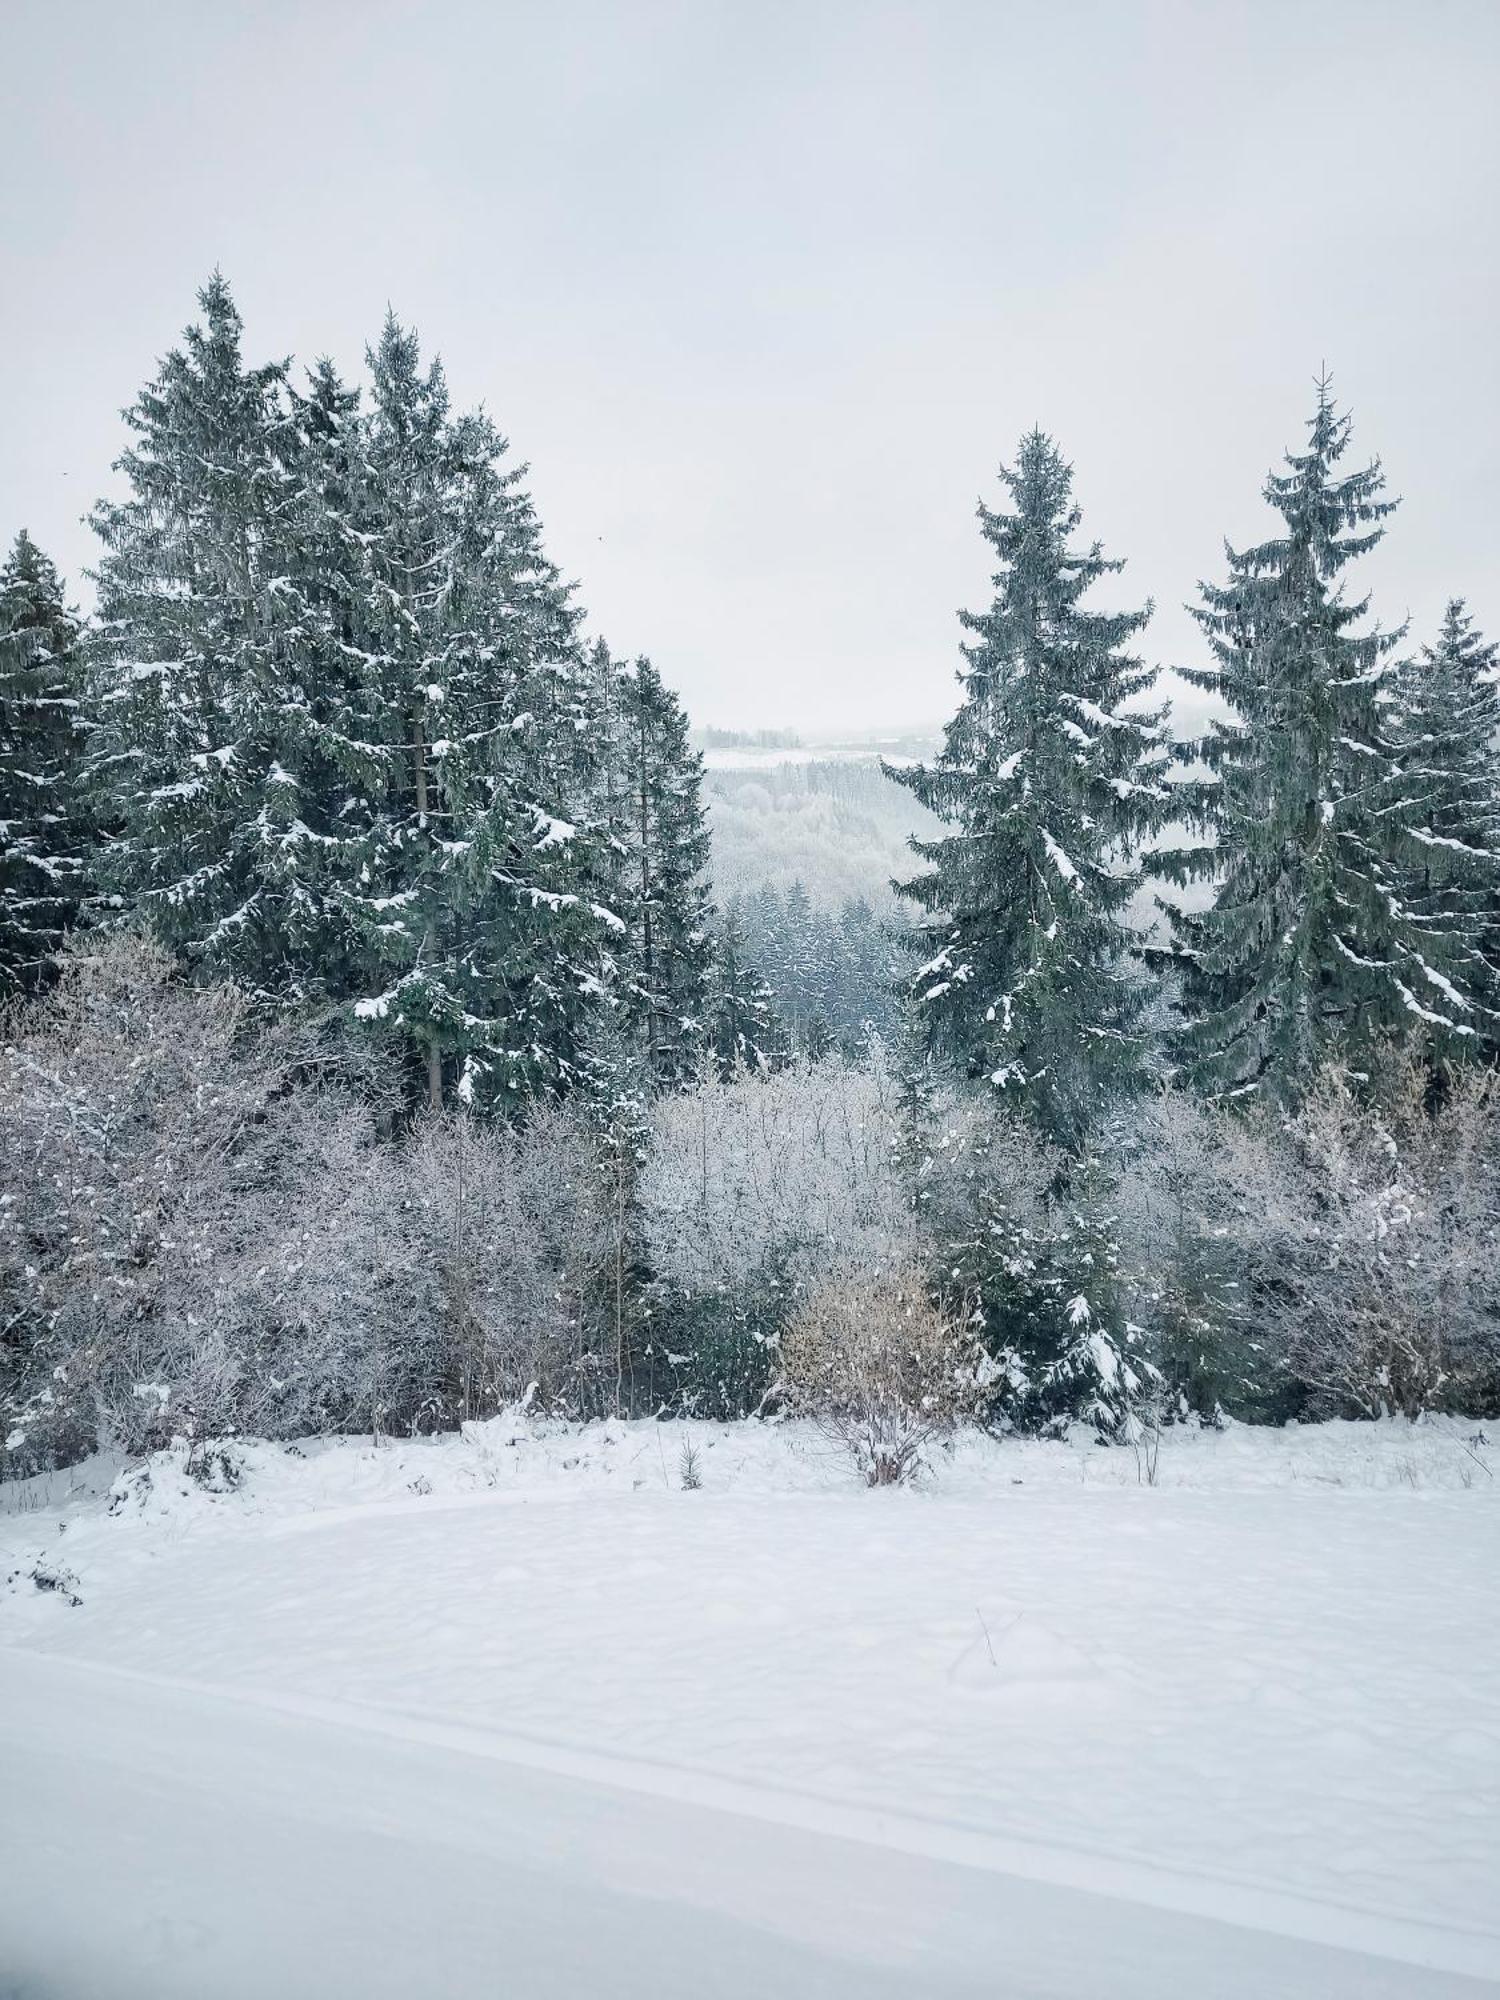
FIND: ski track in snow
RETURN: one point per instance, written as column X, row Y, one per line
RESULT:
column 1260, row 1693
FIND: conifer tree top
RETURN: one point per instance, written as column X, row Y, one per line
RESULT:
column 1050, row 777
column 1325, row 932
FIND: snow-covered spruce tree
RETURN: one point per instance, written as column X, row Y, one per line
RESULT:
column 1311, row 943
column 548, row 939
column 1049, row 779
column 744, row 1029
column 44, row 837
column 336, row 681
column 1022, row 1238
column 1448, row 739
column 433, row 838
column 473, row 942
column 647, row 791
column 198, row 689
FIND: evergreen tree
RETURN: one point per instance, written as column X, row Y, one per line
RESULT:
column 1025, row 1242
column 1049, row 781
column 830, row 979
column 743, row 1027
column 664, row 864
column 1449, row 747
column 478, row 883
column 340, row 700
column 43, row 819
column 865, row 956
column 198, row 669
column 1311, row 942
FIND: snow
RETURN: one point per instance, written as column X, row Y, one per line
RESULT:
column 1217, row 1735
column 1059, row 860
column 552, row 832
column 1414, row 1006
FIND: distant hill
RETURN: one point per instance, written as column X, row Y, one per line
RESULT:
column 825, row 815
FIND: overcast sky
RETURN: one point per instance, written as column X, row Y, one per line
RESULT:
column 765, row 292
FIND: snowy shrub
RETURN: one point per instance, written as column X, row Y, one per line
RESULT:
column 195, row 1235
column 880, row 1369
column 717, row 1349
column 1369, row 1237
column 1338, row 1257
column 1186, row 1199
column 510, row 1228
column 755, row 1188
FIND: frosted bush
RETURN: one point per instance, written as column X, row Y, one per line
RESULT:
column 753, row 1188
column 512, row 1230
column 199, row 1236
column 879, row 1369
column 1342, row 1252
column 195, row 1237
column 794, row 1170
column 1370, row 1240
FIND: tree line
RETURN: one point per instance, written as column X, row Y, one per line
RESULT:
column 1344, row 803
column 334, row 735
column 390, row 883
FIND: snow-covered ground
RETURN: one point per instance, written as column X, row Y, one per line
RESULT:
column 514, row 1712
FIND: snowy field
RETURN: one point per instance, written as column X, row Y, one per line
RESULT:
column 515, row 1714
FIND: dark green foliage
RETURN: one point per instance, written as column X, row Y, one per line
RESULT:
column 1025, row 1243
column 832, row 979
column 742, row 1020
column 1312, row 944
column 1049, row 780
column 654, row 849
column 341, row 703
column 44, row 821
column 190, row 654
column 716, row 1352
column 1448, row 736
column 476, row 893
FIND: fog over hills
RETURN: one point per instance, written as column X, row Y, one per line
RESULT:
column 822, row 813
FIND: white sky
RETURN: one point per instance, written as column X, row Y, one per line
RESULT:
column 764, row 292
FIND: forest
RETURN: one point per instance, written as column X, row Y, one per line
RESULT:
column 382, row 1048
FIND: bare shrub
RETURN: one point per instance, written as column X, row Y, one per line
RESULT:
column 880, row 1369
column 511, row 1231
column 195, row 1234
column 1342, row 1251
column 1371, row 1239
column 794, row 1168
column 202, row 1232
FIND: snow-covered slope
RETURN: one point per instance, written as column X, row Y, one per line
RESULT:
column 1258, row 1693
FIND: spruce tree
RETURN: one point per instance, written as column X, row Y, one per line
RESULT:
column 338, row 689
column 44, row 836
column 1311, row 943
column 1049, row 780
column 197, row 680
column 665, row 874
column 1448, row 739
column 478, row 887
column 742, row 1023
